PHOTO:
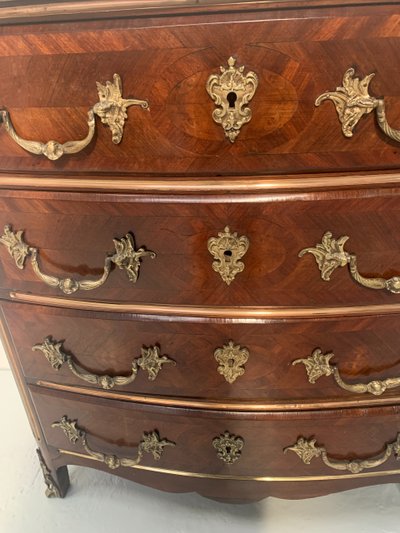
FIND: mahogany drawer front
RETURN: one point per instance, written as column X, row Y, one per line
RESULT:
column 167, row 61
column 74, row 235
column 254, row 365
column 116, row 428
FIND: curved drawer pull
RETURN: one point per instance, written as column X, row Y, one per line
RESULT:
column 150, row 443
column 318, row 364
column 352, row 101
column 330, row 254
column 111, row 109
column 150, row 360
column 125, row 258
column 307, row 450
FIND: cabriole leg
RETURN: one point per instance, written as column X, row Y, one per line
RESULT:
column 57, row 481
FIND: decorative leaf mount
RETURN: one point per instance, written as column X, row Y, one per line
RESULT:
column 329, row 254
column 352, row 100
column 127, row 258
column 111, row 107
column 16, row 246
column 317, row 365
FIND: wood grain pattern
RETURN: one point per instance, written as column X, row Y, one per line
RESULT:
column 365, row 349
column 75, row 231
column 172, row 175
column 116, row 428
column 168, row 61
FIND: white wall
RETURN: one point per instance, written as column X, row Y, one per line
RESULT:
column 3, row 358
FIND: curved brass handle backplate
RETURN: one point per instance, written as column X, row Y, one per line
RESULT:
column 150, row 360
column 352, row 101
column 330, row 254
column 307, row 450
column 150, row 443
column 125, row 258
column 111, row 108
column 318, row 365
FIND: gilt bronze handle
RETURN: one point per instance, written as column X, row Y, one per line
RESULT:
column 307, row 449
column 150, row 443
column 329, row 255
column 125, row 258
column 318, row 365
column 111, row 108
column 352, row 101
column 150, row 360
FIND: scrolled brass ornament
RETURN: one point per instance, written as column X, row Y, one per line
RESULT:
column 330, row 255
column 307, row 450
column 229, row 447
column 352, row 101
column 318, row 364
column 227, row 250
column 52, row 490
column 231, row 358
column 150, row 443
column 151, row 361
column 111, row 108
column 231, row 91
column 126, row 257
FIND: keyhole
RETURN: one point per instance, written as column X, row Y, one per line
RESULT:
column 228, row 255
column 231, row 97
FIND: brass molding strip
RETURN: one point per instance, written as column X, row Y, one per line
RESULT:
column 115, row 8
column 249, row 406
column 268, row 479
column 243, row 313
column 206, row 185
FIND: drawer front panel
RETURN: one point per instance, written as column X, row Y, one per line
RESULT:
column 74, row 236
column 168, row 64
column 257, row 442
column 363, row 350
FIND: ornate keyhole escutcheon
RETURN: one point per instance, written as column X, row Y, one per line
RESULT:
column 231, row 359
column 227, row 250
column 229, row 447
column 231, row 91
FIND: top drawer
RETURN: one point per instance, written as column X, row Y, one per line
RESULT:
column 167, row 61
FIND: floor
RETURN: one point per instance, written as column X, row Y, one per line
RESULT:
column 98, row 502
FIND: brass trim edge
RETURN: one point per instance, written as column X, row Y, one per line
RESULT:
column 268, row 479
column 245, row 313
column 174, row 185
column 119, row 7
column 190, row 403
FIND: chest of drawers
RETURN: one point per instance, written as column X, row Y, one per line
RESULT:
column 199, row 282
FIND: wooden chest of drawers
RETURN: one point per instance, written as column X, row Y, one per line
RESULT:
column 199, row 282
